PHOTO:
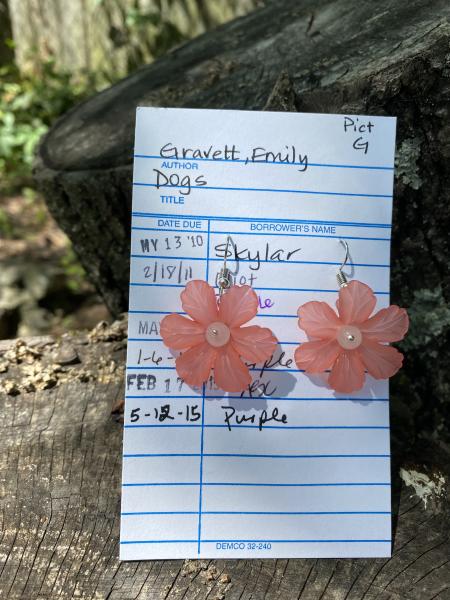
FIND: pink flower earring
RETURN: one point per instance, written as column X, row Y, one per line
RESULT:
column 213, row 337
column 351, row 341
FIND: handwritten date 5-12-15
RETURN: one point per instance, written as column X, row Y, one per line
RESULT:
column 192, row 413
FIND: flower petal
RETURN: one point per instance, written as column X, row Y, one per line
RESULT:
column 253, row 343
column 316, row 357
column 199, row 301
column 388, row 325
column 318, row 320
column 355, row 303
column 180, row 333
column 381, row 361
column 230, row 373
column 347, row 374
column 194, row 365
column 238, row 305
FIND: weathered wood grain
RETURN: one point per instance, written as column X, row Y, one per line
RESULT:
column 60, row 465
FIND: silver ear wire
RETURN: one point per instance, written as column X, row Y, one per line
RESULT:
column 224, row 279
column 340, row 275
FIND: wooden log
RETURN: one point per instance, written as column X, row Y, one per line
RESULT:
column 352, row 56
column 60, row 456
column 384, row 57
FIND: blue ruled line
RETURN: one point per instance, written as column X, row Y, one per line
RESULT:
column 259, row 512
column 264, row 289
column 138, row 368
column 303, row 541
column 144, row 340
column 291, row 399
column 275, row 289
column 207, row 251
column 199, row 533
column 285, row 427
column 228, row 484
column 157, row 425
column 264, row 162
column 202, row 435
column 167, row 396
column 160, row 512
column 158, row 541
column 178, row 312
column 165, row 455
column 209, row 455
column 160, row 340
column 244, row 260
column 154, row 312
column 300, row 426
column 177, row 483
column 266, row 190
column 353, row 541
column 261, row 220
column 312, row 512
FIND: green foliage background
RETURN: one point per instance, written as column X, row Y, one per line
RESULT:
column 28, row 106
column 137, row 30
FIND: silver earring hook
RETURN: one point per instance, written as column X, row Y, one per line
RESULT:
column 340, row 275
column 224, row 279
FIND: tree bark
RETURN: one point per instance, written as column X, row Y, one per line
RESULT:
column 6, row 52
column 60, row 452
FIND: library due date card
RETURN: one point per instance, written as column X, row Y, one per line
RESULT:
column 203, row 476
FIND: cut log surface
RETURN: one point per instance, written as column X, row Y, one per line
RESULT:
column 60, row 455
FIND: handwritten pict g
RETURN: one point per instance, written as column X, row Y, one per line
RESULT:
column 352, row 341
column 213, row 337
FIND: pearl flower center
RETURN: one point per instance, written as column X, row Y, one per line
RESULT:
column 217, row 334
column 349, row 337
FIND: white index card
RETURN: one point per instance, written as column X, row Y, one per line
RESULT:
column 287, row 187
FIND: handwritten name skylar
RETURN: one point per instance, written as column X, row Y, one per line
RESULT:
column 267, row 254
